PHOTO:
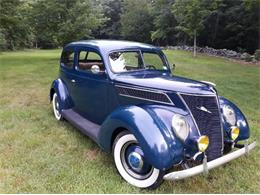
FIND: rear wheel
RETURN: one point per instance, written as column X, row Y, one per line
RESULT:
column 131, row 164
column 56, row 107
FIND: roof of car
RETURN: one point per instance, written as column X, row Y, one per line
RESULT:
column 109, row 45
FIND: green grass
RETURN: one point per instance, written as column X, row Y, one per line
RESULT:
column 40, row 155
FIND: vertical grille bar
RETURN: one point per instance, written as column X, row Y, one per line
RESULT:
column 208, row 122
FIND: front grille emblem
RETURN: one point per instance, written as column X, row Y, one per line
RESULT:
column 202, row 108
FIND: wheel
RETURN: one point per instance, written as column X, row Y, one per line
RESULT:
column 227, row 148
column 56, row 107
column 130, row 163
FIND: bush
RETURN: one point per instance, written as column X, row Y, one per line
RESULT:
column 257, row 54
column 2, row 42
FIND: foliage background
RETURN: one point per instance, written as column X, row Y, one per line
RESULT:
column 231, row 24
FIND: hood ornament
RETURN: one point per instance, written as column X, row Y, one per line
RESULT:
column 202, row 108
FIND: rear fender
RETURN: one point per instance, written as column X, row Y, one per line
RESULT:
column 59, row 87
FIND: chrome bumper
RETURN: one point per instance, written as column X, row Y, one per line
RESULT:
column 203, row 168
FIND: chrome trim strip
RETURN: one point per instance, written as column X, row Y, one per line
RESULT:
column 196, row 155
column 210, row 83
column 152, row 91
column 221, row 125
column 194, row 121
column 178, row 175
column 194, row 94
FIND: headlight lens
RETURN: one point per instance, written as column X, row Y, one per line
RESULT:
column 203, row 143
column 234, row 132
column 180, row 126
column 229, row 115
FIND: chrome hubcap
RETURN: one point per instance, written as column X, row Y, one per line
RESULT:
column 56, row 107
column 135, row 161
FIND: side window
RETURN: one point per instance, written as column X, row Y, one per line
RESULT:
column 94, row 56
column 67, row 58
column 88, row 59
column 83, row 56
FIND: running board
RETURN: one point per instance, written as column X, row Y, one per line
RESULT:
column 85, row 126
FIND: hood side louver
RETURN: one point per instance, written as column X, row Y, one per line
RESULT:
column 144, row 94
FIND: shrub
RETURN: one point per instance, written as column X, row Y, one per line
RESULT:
column 257, row 54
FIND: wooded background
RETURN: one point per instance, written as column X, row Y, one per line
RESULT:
column 231, row 24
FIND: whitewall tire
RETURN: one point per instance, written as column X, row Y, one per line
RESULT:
column 140, row 174
column 56, row 107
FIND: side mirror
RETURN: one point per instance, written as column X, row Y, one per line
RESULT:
column 95, row 69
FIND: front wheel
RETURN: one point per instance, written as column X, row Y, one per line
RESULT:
column 130, row 163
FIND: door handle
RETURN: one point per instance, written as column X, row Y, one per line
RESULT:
column 73, row 81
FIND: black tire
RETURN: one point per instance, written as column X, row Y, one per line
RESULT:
column 150, row 179
column 227, row 148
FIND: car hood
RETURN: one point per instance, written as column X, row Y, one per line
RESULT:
column 166, row 82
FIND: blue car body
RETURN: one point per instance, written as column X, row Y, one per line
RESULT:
column 143, row 102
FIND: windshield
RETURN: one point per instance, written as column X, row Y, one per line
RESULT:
column 123, row 61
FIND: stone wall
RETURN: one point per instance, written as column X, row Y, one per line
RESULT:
column 215, row 52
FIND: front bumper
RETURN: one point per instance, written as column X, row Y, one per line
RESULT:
column 203, row 168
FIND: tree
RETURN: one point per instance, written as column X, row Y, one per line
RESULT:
column 14, row 27
column 58, row 22
column 136, row 20
column 191, row 15
column 112, row 10
column 233, row 25
column 164, row 23
column 81, row 20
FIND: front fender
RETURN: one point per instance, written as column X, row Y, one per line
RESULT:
column 157, row 142
column 59, row 87
column 241, row 121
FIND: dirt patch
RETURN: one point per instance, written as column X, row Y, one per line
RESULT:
column 92, row 154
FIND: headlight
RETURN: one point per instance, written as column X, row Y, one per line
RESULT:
column 229, row 115
column 180, row 127
column 234, row 132
column 203, row 143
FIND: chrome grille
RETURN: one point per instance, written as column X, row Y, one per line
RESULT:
column 144, row 94
column 209, row 123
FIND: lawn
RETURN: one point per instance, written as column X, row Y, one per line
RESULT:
column 40, row 155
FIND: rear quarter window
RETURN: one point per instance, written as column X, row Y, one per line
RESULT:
column 67, row 58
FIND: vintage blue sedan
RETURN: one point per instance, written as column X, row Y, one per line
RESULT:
column 124, row 97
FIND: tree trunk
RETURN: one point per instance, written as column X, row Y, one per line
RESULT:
column 215, row 30
column 195, row 43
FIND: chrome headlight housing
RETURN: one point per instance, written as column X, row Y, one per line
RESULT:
column 180, row 127
column 229, row 114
